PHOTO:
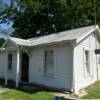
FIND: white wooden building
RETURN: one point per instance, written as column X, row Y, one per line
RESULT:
column 65, row 60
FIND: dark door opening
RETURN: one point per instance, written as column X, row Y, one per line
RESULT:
column 25, row 67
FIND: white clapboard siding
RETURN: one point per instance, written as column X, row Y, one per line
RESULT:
column 62, row 75
column 98, row 56
column 99, row 71
column 98, row 59
column 2, row 64
column 11, row 74
column 82, row 78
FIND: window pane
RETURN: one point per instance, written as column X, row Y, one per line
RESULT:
column 9, row 61
column 87, row 55
column 87, row 60
column 49, row 70
column 49, row 62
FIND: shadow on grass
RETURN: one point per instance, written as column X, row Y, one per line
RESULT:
column 28, row 88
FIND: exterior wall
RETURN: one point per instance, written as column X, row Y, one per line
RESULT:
column 11, row 74
column 2, row 64
column 98, row 66
column 82, row 78
column 98, row 59
column 62, row 75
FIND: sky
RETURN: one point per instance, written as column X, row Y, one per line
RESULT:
column 6, row 1
column 5, row 26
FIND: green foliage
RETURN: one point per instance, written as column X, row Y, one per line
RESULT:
column 93, row 92
column 0, row 5
column 40, row 17
column 1, row 42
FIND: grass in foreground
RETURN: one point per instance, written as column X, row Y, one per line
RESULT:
column 93, row 92
column 12, row 94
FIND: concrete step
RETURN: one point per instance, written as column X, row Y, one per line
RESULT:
column 28, row 87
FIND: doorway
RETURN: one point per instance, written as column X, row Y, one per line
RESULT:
column 25, row 67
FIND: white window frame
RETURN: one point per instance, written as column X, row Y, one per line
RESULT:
column 48, row 62
column 87, row 61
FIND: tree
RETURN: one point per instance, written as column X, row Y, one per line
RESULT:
column 1, row 42
column 33, row 18
column 0, row 5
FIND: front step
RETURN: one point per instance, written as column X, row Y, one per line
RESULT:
column 28, row 87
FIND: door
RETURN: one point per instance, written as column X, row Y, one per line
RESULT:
column 25, row 67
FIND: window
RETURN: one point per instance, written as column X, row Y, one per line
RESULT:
column 9, row 61
column 93, row 35
column 87, row 60
column 48, row 69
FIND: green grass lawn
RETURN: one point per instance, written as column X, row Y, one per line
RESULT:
column 13, row 94
column 93, row 92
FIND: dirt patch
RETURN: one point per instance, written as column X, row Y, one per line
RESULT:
column 2, row 89
column 67, row 96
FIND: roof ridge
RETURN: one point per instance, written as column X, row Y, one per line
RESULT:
column 61, row 32
column 69, row 35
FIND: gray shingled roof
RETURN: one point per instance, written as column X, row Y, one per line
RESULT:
column 74, row 34
column 19, row 41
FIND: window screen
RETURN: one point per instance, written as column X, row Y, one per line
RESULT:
column 48, row 63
